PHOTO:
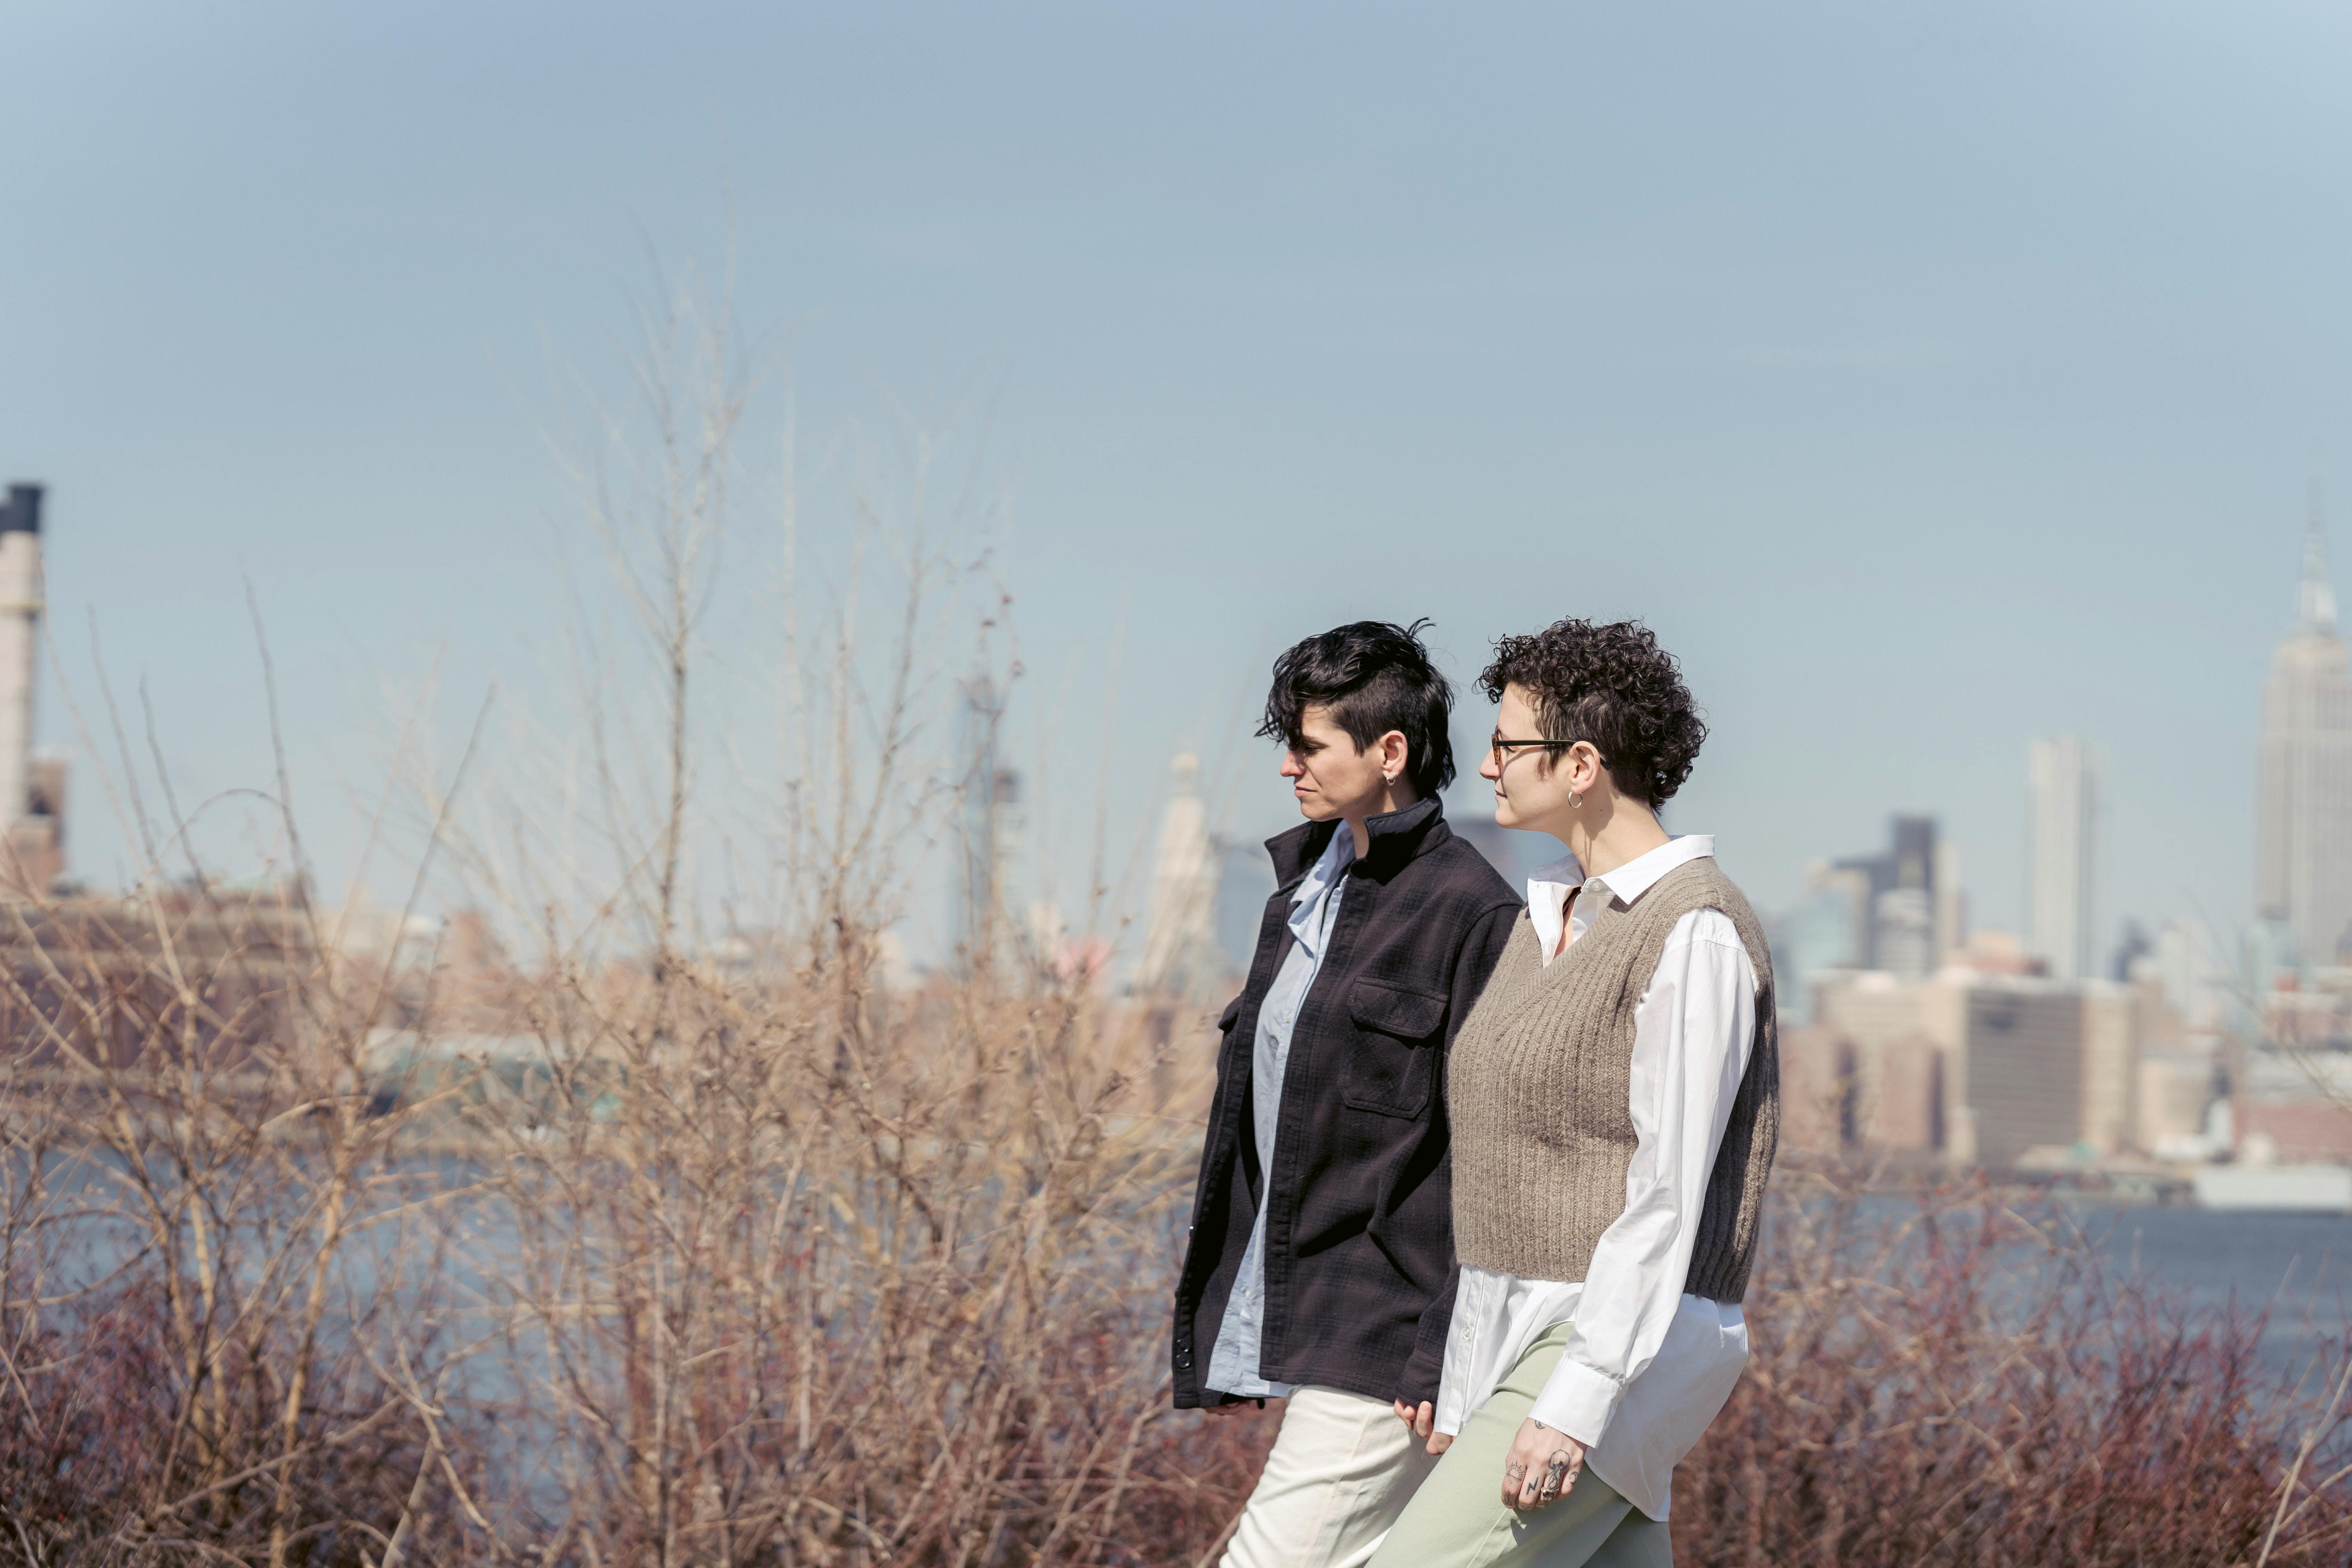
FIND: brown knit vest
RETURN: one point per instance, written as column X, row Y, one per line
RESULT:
column 1537, row 1085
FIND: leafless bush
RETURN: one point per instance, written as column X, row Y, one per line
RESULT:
column 205, row 1253
column 1962, row 1380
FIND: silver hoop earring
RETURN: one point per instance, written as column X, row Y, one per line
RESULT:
column 1574, row 800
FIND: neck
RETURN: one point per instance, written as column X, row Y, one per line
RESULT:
column 1606, row 832
column 1395, row 798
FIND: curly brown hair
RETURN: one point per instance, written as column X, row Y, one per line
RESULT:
column 1614, row 687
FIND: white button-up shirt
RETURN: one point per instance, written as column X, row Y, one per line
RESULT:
column 1646, row 1366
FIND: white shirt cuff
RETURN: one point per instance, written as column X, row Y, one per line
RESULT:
column 1580, row 1401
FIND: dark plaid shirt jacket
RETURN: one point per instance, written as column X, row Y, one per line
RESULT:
column 1360, row 1271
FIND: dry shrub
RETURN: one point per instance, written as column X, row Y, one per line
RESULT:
column 1960, row 1379
column 201, row 1248
column 841, row 1276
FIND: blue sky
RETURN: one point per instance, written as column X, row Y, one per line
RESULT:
column 1930, row 377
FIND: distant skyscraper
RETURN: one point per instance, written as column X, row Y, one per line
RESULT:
column 2062, row 874
column 2184, row 960
column 2303, row 872
column 1180, row 946
column 1903, row 918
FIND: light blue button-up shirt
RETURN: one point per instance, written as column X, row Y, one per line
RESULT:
column 1314, row 915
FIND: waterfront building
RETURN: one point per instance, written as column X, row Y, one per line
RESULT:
column 1987, row 1063
column 2304, row 836
column 2063, row 773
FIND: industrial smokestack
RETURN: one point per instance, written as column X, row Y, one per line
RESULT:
column 20, row 625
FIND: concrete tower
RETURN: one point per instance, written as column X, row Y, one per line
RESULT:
column 2061, row 878
column 20, row 629
column 993, row 823
column 2303, row 865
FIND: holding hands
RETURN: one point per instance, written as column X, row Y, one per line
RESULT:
column 1422, row 1423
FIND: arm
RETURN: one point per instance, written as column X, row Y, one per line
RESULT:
column 1416, row 1395
column 1691, row 1038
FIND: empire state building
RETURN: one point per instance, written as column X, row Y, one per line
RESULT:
column 2303, row 872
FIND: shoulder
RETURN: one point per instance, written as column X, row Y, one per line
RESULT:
column 1701, row 885
column 1709, row 910
column 1706, row 927
column 1453, row 871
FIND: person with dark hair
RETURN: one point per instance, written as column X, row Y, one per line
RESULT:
column 1616, row 1101
column 1321, row 1265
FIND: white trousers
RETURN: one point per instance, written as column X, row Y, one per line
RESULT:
column 1343, row 1468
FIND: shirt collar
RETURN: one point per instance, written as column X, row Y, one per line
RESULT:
column 1547, row 886
column 1307, row 903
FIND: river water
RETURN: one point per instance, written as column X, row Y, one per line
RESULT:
column 2298, row 1267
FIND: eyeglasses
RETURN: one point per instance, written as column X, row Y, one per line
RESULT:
column 1504, row 749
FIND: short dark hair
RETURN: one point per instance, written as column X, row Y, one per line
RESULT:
column 1374, row 676
column 1614, row 687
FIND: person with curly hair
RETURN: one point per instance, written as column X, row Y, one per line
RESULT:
column 1616, row 1103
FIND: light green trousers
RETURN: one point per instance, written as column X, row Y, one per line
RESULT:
column 1457, row 1518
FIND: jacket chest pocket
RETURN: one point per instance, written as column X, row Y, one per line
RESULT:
column 1393, row 1062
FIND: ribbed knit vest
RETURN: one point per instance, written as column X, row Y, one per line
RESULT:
column 1538, row 1087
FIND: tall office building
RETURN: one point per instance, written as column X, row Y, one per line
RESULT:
column 2061, row 876
column 1180, row 944
column 2303, row 868
column 1902, row 919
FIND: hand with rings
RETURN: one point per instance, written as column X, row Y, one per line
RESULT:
column 1541, row 1466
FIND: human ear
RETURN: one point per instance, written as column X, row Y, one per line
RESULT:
column 1396, row 753
column 1584, row 766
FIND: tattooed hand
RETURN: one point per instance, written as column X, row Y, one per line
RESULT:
column 1543, row 1465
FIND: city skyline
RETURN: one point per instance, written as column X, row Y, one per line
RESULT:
column 1903, row 910
column 1926, row 392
